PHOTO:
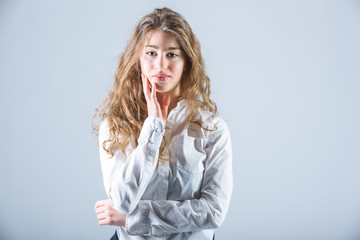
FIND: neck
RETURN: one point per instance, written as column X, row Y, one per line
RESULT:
column 173, row 100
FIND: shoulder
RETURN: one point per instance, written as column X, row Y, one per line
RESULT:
column 218, row 136
column 104, row 125
column 213, row 122
column 104, row 129
column 216, row 129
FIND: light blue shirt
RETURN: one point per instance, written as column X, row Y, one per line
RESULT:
column 184, row 197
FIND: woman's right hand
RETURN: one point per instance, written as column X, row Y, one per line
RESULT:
column 153, row 106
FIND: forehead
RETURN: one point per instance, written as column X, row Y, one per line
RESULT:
column 161, row 38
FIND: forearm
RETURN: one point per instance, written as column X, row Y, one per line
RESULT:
column 129, row 184
column 126, row 177
column 165, row 216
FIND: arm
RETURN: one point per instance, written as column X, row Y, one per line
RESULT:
column 126, row 176
column 164, row 217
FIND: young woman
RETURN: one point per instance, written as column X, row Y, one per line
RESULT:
column 165, row 153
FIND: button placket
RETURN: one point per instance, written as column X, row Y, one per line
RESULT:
column 163, row 183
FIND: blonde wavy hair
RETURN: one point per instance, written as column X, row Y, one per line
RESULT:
column 125, row 106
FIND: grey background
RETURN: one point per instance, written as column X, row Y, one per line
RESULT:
column 285, row 76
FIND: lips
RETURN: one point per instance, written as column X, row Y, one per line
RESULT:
column 161, row 77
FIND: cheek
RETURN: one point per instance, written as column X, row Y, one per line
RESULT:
column 179, row 68
column 145, row 65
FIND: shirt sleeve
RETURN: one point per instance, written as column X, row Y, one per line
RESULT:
column 126, row 176
column 163, row 217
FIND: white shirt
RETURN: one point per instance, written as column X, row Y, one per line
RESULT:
column 185, row 197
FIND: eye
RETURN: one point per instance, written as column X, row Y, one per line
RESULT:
column 172, row 55
column 151, row 53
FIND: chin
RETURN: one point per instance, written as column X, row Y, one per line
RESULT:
column 161, row 91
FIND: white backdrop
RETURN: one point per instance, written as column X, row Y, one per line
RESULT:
column 285, row 76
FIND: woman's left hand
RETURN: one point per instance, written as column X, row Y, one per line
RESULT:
column 108, row 215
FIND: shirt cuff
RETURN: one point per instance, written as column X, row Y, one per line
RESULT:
column 138, row 222
column 152, row 131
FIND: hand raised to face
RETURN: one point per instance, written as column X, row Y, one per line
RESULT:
column 155, row 108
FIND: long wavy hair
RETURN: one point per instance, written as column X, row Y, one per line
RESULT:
column 125, row 106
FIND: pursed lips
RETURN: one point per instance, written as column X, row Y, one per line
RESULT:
column 161, row 77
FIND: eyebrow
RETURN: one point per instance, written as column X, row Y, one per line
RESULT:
column 156, row 47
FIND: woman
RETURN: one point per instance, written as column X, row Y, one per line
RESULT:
column 165, row 153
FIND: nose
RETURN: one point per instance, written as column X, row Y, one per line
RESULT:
column 161, row 62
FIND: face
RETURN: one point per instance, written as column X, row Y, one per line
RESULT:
column 163, row 62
